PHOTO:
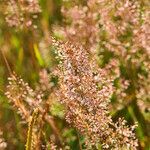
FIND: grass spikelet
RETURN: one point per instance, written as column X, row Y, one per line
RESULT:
column 29, row 143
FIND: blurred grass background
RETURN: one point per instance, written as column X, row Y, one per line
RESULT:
column 24, row 58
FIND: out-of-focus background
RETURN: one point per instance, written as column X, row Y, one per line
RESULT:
column 25, row 49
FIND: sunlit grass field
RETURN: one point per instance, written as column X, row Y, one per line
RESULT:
column 114, row 34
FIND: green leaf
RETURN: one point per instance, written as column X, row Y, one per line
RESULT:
column 38, row 55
